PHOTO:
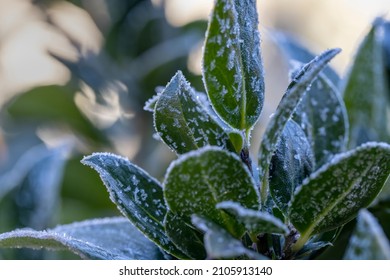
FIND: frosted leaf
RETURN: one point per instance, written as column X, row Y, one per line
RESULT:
column 151, row 102
column 368, row 241
column 232, row 63
column 385, row 193
column 220, row 244
column 365, row 92
column 27, row 162
column 310, row 248
column 109, row 238
column 35, row 180
column 214, row 175
column 322, row 116
column 285, row 110
column 137, row 195
column 291, row 163
column 184, row 121
column 335, row 193
column 255, row 222
column 187, row 238
column 36, row 198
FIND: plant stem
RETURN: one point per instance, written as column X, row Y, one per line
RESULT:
column 300, row 242
column 290, row 240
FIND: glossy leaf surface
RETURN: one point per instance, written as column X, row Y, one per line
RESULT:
column 198, row 180
column 232, row 64
column 137, row 195
column 185, row 236
column 255, row 222
column 295, row 91
column 335, row 193
column 291, row 163
column 220, row 244
column 182, row 120
column 323, row 117
column 110, row 238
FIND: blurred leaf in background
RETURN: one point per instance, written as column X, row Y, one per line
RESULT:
column 45, row 129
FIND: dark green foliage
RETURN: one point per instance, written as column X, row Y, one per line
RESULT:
column 291, row 163
column 365, row 92
column 217, row 200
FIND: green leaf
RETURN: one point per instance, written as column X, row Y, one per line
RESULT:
column 365, row 92
column 335, row 193
column 187, row 238
column 53, row 104
column 198, row 180
column 182, row 119
column 327, row 131
column 323, row 117
column 385, row 193
column 237, row 140
column 232, row 64
column 310, row 248
column 386, row 52
column 291, row 163
column 255, row 222
column 36, row 197
column 109, row 238
column 137, row 195
column 285, row 110
column 31, row 160
column 150, row 104
column 220, row 244
column 368, row 241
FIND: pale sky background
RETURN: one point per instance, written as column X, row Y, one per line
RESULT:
column 25, row 38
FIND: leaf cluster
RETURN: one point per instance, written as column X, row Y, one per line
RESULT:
column 323, row 158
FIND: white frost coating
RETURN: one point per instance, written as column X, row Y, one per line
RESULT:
column 134, row 180
column 156, row 136
column 139, row 214
column 254, row 219
column 219, row 243
column 212, row 65
column 337, row 158
column 286, row 108
column 224, row 91
column 324, row 114
column 237, row 52
column 123, row 160
column 185, row 119
column 368, row 242
column 322, row 131
column 334, row 193
column 332, row 123
column 231, row 59
column 151, row 102
column 199, row 153
column 108, row 238
column 297, row 157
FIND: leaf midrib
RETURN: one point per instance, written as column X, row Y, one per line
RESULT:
column 243, row 73
column 328, row 209
column 214, row 195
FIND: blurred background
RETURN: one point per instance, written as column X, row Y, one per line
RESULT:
column 74, row 77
